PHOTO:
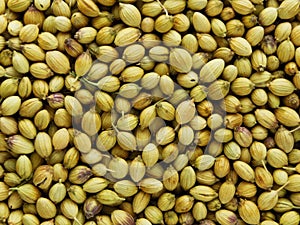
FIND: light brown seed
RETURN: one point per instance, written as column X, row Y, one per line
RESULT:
column 130, row 15
column 244, row 171
column 240, row 46
column 249, row 212
column 127, row 36
column 150, row 185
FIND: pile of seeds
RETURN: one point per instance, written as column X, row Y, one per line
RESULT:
column 149, row 112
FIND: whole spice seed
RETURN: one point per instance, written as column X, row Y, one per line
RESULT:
column 45, row 208
column 226, row 192
column 263, row 178
column 130, row 15
column 91, row 207
column 211, row 70
column 125, row 188
column 287, row 116
column 185, row 112
column 201, row 23
column 240, row 46
column 110, row 198
column 268, row 200
column 226, row 217
column 121, row 217
column 249, row 212
column 57, row 192
column 244, row 171
column 181, row 60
